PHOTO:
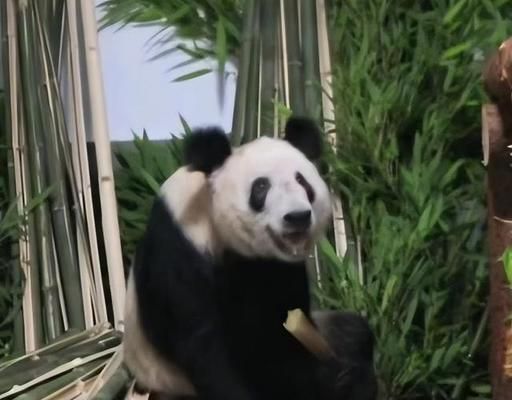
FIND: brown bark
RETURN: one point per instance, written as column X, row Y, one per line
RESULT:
column 497, row 136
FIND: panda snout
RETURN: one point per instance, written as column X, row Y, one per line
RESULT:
column 298, row 220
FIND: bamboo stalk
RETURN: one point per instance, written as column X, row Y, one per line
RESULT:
column 32, row 315
column 340, row 234
column 31, row 306
column 41, row 135
column 110, row 222
column 237, row 131
column 252, row 107
column 64, row 144
column 65, row 241
column 293, row 56
column 62, row 223
column 60, row 291
column 78, row 108
column 279, row 92
column 88, row 292
column 13, row 160
column 269, row 20
column 283, row 56
column 310, row 58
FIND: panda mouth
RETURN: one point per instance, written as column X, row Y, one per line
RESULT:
column 295, row 243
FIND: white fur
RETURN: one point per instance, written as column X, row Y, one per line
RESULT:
column 187, row 196
column 246, row 230
column 143, row 361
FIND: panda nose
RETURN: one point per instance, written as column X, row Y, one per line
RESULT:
column 298, row 219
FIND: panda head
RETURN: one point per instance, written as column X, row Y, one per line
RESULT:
column 267, row 198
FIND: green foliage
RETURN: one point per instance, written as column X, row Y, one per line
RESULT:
column 142, row 171
column 407, row 96
column 11, row 284
column 507, row 264
column 213, row 26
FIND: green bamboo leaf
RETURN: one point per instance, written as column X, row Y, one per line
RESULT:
column 424, row 222
column 454, row 51
column 451, row 173
column 328, row 250
column 193, row 75
column 388, row 292
column 435, row 361
column 454, row 11
column 411, row 312
column 221, row 45
column 193, row 53
column 181, row 12
column 185, row 125
column 163, row 53
column 152, row 183
column 507, row 262
column 482, row 389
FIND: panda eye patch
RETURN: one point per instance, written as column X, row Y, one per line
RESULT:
column 259, row 190
column 307, row 187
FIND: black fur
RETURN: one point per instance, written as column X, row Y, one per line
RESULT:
column 206, row 149
column 174, row 285
column 255, row 296
column 305, row 135
column 352, row 341
column 223, row 324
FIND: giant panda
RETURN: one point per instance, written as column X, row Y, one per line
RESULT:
column 221, row 264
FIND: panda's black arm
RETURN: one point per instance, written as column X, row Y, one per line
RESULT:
column 178, row 312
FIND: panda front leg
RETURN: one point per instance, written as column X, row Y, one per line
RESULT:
column 351, row 375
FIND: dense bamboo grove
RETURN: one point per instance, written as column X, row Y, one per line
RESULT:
column 52, row 234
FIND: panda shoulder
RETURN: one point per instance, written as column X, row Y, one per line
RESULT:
column 183, row 191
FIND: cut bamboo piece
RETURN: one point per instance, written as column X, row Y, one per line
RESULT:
column 299, row 326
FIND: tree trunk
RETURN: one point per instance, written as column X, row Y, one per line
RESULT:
column 497, row 137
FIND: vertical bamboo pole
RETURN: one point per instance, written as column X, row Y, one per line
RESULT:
column 308, row 27
column 294, row 56
column 252, row 108
column 242, row 86
column 110, row 222
column 64, row 235
column 32, row 310
column 15, row 165
column 340, row 235
column 269, row 23
column 83, row 174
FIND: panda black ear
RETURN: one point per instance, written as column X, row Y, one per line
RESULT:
column 206, row 149
column 304, row 134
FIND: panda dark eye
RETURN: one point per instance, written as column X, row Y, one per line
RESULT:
column 259, row 190
column 307, row 187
